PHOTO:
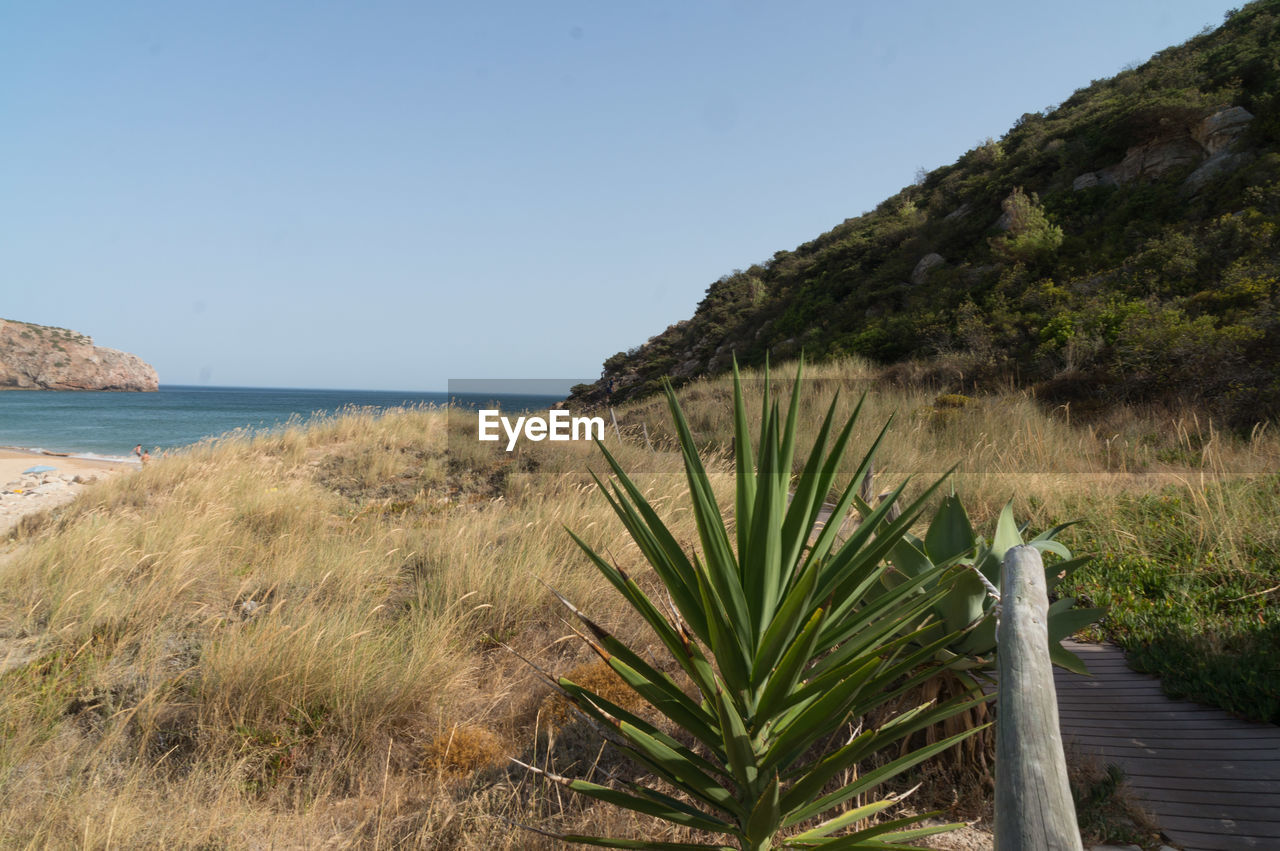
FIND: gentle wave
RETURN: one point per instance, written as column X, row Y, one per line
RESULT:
column 41, row 452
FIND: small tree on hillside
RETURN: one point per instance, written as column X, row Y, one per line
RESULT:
column 1030, row 235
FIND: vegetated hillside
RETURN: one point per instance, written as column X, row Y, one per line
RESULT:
column 1121, row 246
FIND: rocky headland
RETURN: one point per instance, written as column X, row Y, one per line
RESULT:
column 39, row 357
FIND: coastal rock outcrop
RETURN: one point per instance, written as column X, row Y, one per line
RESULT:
column 38, row 357
column 921, row 271
column 1207, row 142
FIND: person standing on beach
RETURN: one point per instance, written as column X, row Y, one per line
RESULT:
column 137, row 450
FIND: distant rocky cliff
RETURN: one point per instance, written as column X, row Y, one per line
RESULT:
column 37, row 357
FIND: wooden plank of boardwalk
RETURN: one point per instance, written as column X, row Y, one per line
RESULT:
column 1209, row 780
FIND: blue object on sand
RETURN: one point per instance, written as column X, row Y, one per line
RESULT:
column 40, row 468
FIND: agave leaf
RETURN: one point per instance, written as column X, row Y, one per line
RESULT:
column 882, row 639
column 1055, row 531
column 909, row 561
column 851, row 658
column 1058, row 571
column 982, row 639
column 1065, row 621
column 720, row 561
column 1056, row 547
column 1007, row 535
column 803, row 696
column 891, row 611
column 657, row 543
column 666, row 697
column 892, row 679
column 885, row 688
column 950, row 534
column 821, row 716
column 962, row 604
column 882, row 666
column 1064, row 658
column 988, row 565
column 853, row 550
column 877, row 549
column 928, row 714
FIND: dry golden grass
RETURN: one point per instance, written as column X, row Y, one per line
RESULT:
column 1003, row 447
column 294, row 639
column 260, row 631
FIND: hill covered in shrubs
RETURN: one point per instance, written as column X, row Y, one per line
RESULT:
column 1119, row 247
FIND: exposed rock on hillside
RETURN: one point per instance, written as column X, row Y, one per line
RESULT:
column 37, row 357
column 921, row 271
column 1205, row 142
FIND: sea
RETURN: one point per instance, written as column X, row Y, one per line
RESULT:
column 109, row 425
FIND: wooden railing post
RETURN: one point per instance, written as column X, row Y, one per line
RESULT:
column 1034, row 810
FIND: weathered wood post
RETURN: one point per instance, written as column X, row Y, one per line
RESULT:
column 1034, row 810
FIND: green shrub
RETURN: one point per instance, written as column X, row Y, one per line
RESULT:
column 1030, row 235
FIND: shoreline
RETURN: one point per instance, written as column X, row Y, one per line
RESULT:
column 73, row 456
column 23, row 493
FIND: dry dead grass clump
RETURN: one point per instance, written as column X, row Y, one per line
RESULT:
column 295, row 639
column 555, row 712
column 464, row 749
column 1106, row 808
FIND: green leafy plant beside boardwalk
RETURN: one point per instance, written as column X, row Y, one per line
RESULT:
column 780, row 644
column 1190, row 576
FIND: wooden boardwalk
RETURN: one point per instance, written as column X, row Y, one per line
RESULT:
column 1209, row 780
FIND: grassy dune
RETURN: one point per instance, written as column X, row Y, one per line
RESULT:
column 294, row 639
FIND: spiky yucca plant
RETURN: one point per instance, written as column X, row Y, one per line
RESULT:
column 782, row 644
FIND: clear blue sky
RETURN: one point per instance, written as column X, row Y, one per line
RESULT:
column 392, row 194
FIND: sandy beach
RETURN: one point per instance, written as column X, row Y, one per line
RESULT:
column 22, row 493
